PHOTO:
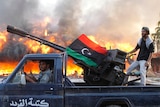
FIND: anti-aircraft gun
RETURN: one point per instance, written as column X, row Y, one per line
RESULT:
column 109, row 72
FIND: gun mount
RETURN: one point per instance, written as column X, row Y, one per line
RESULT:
column 109, row 72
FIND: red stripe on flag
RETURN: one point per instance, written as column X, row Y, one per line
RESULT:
column 84, row 39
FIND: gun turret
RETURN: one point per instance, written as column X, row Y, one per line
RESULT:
column 22, row 33
column 109, row 72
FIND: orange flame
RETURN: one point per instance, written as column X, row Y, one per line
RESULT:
column 7, row 67
column 73, row 69
column 31, row 66
column 112, row 44
column 46, row 32
column 3, row 38
column 35, row 47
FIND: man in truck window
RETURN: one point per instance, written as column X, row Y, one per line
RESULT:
column 44, row 75
column 145, row 44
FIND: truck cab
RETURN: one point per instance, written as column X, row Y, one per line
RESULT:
column 17, row 92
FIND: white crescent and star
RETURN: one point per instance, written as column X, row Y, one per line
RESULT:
column 86, row 51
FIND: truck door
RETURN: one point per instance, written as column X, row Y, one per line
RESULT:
column 37, row 94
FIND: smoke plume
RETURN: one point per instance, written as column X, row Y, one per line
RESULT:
column 17, row 13
column 108, row 20
column 119, row 20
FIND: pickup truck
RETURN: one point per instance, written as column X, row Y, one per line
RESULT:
column 15, row 91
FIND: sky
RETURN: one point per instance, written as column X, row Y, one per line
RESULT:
column 112, row 21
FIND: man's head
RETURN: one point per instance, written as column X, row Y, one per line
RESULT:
column 44, row 65
column 145, row 32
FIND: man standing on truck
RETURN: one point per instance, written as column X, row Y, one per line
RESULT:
column 44, row 75
column 145, row 44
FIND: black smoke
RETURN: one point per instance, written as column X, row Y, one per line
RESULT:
column 18, row 13
column 111, row 20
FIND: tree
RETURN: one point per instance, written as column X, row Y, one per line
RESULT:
column 156, row 37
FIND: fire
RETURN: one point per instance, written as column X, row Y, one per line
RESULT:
column 93, row 39
column 109, row 45
column 40, row 28
column 47, row 20
column 125, row 47
column 46, row 32
column 122, row 46
column 32, row 67
column 7, row 67
column 73, row 69
column 3, row 38
column 112, row 44
column 37, row 47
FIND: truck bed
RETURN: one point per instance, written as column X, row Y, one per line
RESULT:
column 81, row 95
column 99, row 96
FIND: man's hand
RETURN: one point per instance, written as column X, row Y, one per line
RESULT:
column 149, row 60
column 30, row 79
column 128, row 53
column 31, row 75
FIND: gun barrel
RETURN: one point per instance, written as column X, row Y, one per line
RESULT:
column 14, row 30
column 22, row 33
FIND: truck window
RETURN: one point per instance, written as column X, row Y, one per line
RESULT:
column 36, row 71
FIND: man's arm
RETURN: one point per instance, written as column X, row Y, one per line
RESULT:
column 31, row 79
column 150, row 57
column 149, row 60
column 45, row 78
column 134, row 50
column 151, row 49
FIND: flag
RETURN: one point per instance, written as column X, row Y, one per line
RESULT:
column 87, row 51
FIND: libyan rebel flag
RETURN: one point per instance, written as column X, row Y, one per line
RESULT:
column 87, row 51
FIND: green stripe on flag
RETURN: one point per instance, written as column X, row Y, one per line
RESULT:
column 80, row 57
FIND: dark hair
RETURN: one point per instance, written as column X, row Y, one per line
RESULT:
column 146, row 29
column 48, row 62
